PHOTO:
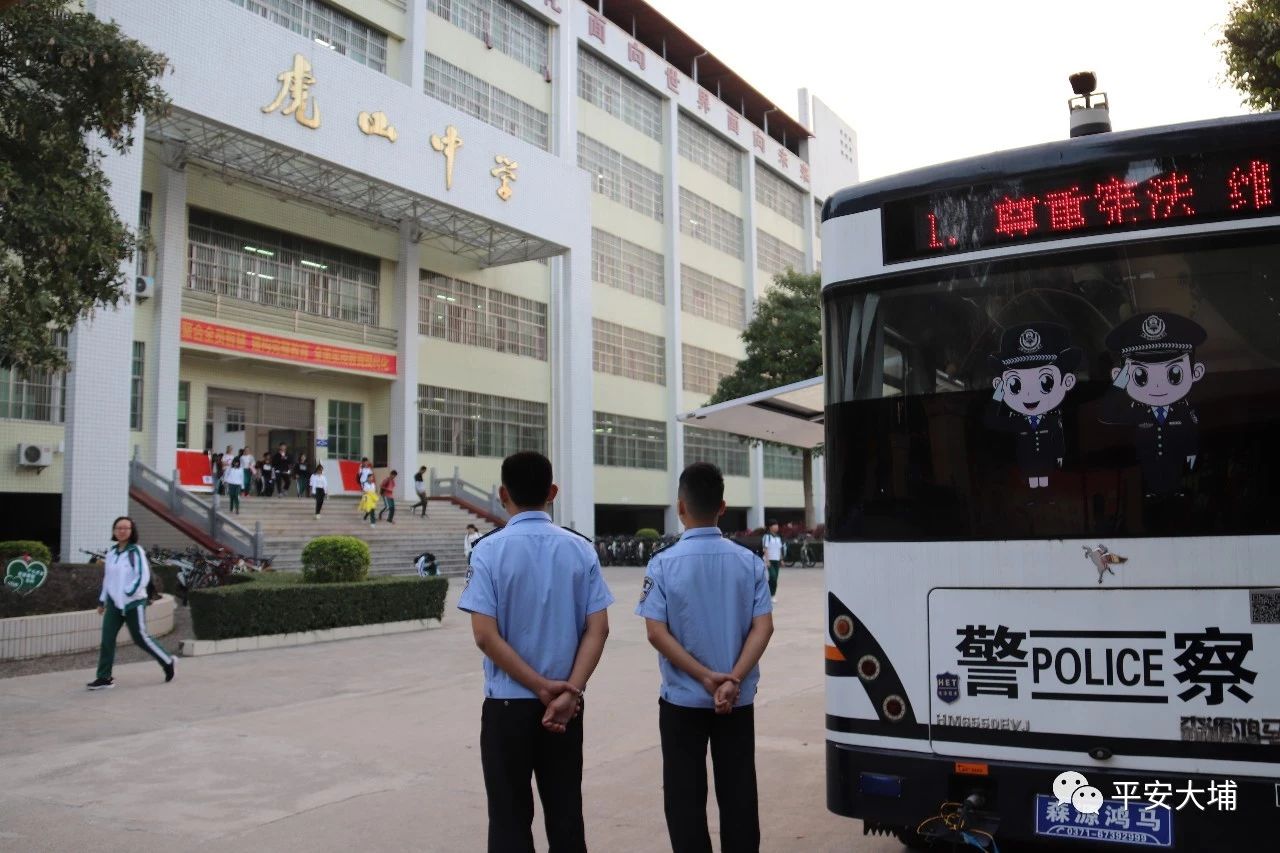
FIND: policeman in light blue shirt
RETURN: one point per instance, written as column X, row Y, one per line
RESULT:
column 538, row 606
column 708, row 613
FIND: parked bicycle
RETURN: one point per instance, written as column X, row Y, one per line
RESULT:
column 800, row 550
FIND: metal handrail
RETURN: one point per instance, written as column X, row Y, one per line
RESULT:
column 187, row 507
column 457, row 487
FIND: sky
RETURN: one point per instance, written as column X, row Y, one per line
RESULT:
column 927, row 81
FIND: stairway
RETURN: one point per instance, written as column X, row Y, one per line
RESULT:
column 289, row 523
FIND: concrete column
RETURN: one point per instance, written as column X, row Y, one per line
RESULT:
column 563, row 67
column 402, row 431
column 820, row 489
column 413, row 51
column 755, row 513
column 98, row 440
column 810, row 237
column 572, row 443
column 164, row 352
column 671, row 272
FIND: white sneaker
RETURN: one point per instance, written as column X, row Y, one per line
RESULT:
column 773, row 600
column 317, row 515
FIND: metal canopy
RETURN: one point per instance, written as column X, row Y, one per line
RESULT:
column 237, row 154
column 792, row 414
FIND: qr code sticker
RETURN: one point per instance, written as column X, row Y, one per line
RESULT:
column 1264, row 606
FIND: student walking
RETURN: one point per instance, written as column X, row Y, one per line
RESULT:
column 123, row 600
column 302, row 475
column 388, row 491
column 771, row 544
column 319, row 487
column 233, row 480
column 538, row 606
column 706, row 607
column 420, row 488
column 247, row 465
column 282, row 467
column 369, row 501
column 469, row 541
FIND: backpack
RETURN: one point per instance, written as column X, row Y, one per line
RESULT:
column 425, row 565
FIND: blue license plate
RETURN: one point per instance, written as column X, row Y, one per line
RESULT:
column 1135, row 823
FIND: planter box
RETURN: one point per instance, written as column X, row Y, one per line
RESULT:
column 78, row 631
column 196, row 648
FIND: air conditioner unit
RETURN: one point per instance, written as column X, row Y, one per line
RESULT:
column 144, row 286
column 35, row 456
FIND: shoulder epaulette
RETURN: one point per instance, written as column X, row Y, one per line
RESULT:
column 486, row 536
column 576, row 532
column 663, row 548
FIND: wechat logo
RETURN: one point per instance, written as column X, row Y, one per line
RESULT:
column 1071, row 787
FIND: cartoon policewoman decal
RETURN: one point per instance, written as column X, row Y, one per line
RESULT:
column 1035, row 363
column 1149, row 392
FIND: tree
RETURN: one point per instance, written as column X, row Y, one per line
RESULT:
column 784, row 345
column 65, row 77
column 1251, row 47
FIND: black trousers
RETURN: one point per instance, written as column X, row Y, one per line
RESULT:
column 685, row 733
column 515, row 746
column 319, row 500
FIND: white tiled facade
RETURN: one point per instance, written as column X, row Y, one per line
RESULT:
column 249, row 319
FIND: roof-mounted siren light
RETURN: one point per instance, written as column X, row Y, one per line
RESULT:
column 1089, row 111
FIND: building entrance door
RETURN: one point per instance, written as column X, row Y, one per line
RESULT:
column 260, row 422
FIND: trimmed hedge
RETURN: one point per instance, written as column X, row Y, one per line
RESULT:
column 69, row 587
column 335, row 559
column 646, row 533
column 279, row 606
column 17, row 547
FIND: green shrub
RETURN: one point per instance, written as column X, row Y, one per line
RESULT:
column 335, row 559
column 646, row 533
column 254, row 608
column 68, row 588
column 15, row 548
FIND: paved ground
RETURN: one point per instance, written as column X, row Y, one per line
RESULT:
column 372, row 744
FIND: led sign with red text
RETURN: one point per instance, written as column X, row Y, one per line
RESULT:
column 1096, row 199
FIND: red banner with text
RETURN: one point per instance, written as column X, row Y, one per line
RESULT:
column 212, row 335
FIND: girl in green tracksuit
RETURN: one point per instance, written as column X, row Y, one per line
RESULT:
column 125, row 576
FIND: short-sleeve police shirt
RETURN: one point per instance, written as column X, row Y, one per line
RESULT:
column 540, row 582
column 707, row 589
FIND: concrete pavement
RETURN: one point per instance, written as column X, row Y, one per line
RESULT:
column 373, row 744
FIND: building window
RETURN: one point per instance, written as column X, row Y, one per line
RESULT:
column 477, row 98
column 712, row 298
column 703, row 147
column 628, row 352
column 327, row 27
column 724, row 450
column 775, row 193
column 625, row 442
column 35, row 395
column 774, row 256
column 135, row 385
column 501, row 25
column 711, row 224
column 621, row 178
column 606, row 87
column 625, row 266
column 464, row 313
column 184, row 412
column 783, row 462
column 465, row 423
column 345, row 429
column 242, row 261
column 703, row 369
column 142, row 254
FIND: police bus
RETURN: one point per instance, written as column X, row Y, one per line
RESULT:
column 1053, row 493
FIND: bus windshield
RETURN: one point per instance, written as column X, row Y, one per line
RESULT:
column 1124, row 390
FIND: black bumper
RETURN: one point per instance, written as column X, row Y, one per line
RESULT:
column 1009, row 793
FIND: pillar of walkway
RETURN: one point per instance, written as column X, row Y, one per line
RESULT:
column 402, row 438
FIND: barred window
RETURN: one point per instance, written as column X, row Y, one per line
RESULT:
column 713, row 298
column 501, row 25
column 626, row 442
column 628, row 352
column 774, row 256
column 621, row 178
column 326, row 26
column 345, row 428
column 783, row 462
column 184, row 412
column 465, row 313
column 477, row 98
column 243, row 261
column 702, row 146
column 135, row 384
column 142, row 255
column 775, row 193
column 623, row 265
column 703, row 368
column 611, row 90
column 465, row 423
column 710, row 223
column 722, row 449
column 34, row 395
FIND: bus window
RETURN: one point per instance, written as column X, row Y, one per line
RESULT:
column 910, row 373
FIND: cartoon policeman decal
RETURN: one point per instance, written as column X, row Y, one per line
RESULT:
column 1149, row 392
column 1035, row 362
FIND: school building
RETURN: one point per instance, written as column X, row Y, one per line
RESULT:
column 431, row 232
